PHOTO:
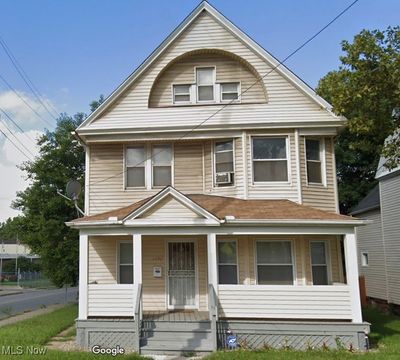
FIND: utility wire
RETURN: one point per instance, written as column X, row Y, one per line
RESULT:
column 25, row 102
column 15, row 145
column 244, row 91
column 17, row 126
column 27, row 80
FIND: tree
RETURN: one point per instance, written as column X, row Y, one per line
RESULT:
column 42, row 226
column 366, row 90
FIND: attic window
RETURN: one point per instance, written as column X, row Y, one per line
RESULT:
column 205, row 79
column 230, row 91
column 181, row 94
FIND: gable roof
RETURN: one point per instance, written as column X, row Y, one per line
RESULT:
column 369, row 202
column 205, row 6
column 221, row 209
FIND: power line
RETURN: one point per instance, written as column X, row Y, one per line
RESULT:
column 17, row 126
column 12, row 142
column 25, row 102
column 247, row 89
column 27, row 80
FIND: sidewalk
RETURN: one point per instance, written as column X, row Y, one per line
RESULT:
column 10, row 290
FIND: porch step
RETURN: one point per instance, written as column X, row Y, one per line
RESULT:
column 176, row 337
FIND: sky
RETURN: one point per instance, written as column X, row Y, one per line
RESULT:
column 75, row 50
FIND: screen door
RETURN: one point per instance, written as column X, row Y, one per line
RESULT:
column 181, row 275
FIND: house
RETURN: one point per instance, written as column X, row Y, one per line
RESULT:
column 211, row 205
column 379, row 241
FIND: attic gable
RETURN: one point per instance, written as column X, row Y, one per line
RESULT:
column 205, row 28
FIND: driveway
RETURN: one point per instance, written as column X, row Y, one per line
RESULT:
column 34, row 299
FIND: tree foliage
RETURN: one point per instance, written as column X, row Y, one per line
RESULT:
column 365, row 89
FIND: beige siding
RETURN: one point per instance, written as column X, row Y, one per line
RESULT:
column 103, row 259
column 319, row 196
column 285, row 101
column 369, row 239
column 227, row 69
column 169, row 209
column 390, row 207
column 273, row 190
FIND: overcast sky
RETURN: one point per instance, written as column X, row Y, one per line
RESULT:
column 74, row 50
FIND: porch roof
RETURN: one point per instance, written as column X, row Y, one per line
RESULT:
column 223, row 208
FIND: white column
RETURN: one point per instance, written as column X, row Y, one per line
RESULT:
column 212, row 260
column 83, row 276
column 137, row 259
column 350, row 253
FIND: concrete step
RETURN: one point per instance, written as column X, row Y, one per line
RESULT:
column 176, row 325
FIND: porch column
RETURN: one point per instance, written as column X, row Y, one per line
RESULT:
column 137, row 259
column 83, row 276
column 350, row 253
column 212, row 261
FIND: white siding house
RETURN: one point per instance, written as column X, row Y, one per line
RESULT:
column 211, row 204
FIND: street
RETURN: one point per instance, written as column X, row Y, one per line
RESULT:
column 34, row 299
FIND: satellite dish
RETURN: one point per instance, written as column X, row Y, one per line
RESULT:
column 73, row 189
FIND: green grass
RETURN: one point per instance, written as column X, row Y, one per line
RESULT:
column 38, row 330
column 385, row 339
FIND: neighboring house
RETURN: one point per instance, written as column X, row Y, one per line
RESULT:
column 379, row 242
column 211, row 204
column 10, row 251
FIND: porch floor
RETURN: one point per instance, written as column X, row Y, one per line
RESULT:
column 176, row 315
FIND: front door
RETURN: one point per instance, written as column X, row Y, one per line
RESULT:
column 181, row 275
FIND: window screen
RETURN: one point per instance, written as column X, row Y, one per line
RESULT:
column 181, row 93
column 135, row 166
column 319, row 262
column 162, row 165
column 205, row 84
column 230, row 91
column 274, row 263
column 125, row 263
column 227, row 262
column 269, row 159
column 313, row 154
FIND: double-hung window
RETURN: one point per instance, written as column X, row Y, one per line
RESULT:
column 274, row 263
column 270, row 159
column 224, row 157
column 135, row 166
column 162, row 165
column 205, row 81
column 319, row 262
column 125, row 263
column 229, row 91
column 181, row 94
column 314, row 163
column 227, row 262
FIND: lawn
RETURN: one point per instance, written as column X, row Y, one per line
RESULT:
column 384, row 337
column 38, row 330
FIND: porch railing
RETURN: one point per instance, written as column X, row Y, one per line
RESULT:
column 138, row 317
column 285, row 301
column 213, row 309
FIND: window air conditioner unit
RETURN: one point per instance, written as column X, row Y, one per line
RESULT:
column 223, row 178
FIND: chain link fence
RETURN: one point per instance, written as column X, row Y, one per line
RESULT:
column 25, row 279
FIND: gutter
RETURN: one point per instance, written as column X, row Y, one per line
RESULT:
column 316, row 222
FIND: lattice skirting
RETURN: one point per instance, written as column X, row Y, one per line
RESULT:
column 300, row 336
column 106, row 333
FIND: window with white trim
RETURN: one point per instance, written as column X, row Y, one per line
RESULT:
column 270, row 159
column 227, row 262
column 364, row 258
column 319, row 262
column 181, row 94
column 224, row 157
column 314, row 162
column 125, row 263
column 162, row 165
column 135, row 162
column 229, row 91
column 205, row 79
column 274, row 263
